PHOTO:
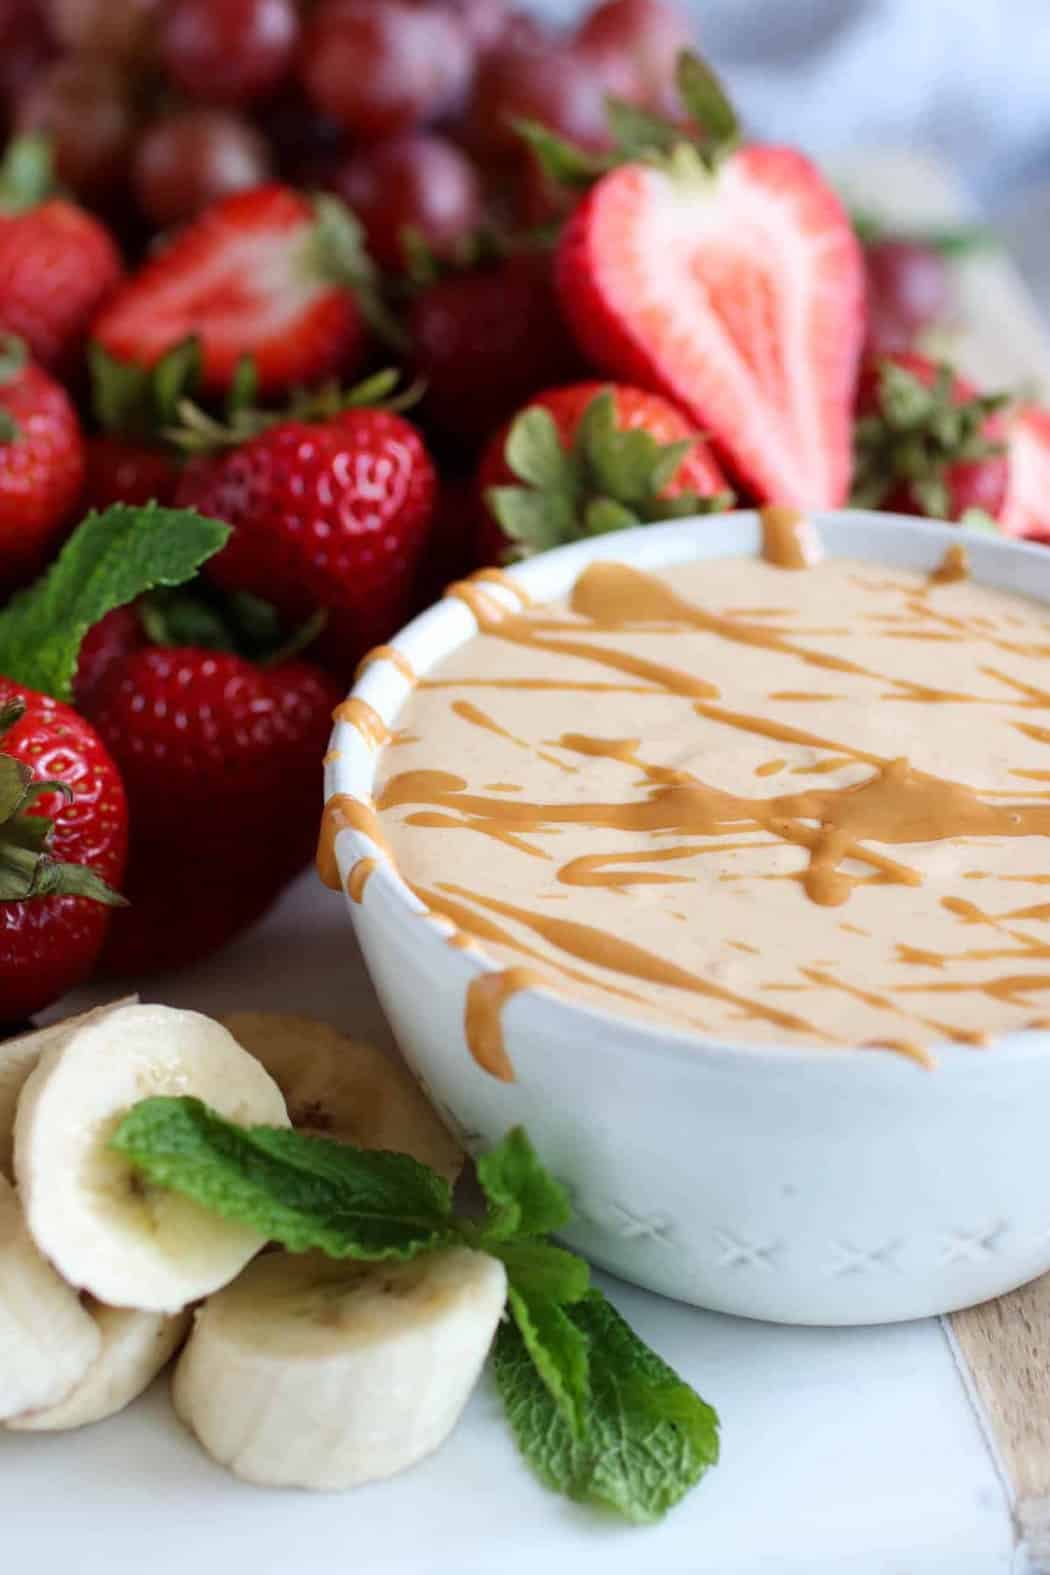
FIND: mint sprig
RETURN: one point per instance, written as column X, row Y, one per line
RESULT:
column 595, row 1412
column 110, row 559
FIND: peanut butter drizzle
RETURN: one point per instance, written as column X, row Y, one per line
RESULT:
column 365, row 718
column 615, row 596
column 770, row 768
column 788, row 538
column 478, row 718
column 386, row 653
column 955, row 565
column 604, row 950
column 484, row 828
column 343, row 812
column 487, row 995
column 359, row 877
column 331, row 756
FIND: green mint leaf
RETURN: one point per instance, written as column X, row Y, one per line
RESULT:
column 707, row 102
column 523, row 1199
column 109, row 560
column 647, row 1438
column 557, row 1349
column 303, row 1192
column 538, row 1268
column 534, row 453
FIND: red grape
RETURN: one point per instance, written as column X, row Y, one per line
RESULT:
column 192, row 158
column 485, row 22
column 635, row 45
column 423, row 183
column 117, row 30
column 383, row 66
column 229, row 51
column 909, row 289
column 561, row 90
column 83, row 106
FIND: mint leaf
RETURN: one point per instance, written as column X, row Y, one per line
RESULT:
column 646, row 1438
column 523, row 1199
column 304, row 1192
column 538, row 1268
column 109, row 560
column 557, row 1349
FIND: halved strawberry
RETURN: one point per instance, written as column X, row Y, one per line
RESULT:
column 263, row 273
column 1026, row 506
column 730, row 280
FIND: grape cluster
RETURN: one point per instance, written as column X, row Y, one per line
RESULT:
column 404, row 107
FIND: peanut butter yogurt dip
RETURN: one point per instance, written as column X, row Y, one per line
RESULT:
column 783, row 801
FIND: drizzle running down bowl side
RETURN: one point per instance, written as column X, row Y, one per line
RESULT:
column 809, row 1185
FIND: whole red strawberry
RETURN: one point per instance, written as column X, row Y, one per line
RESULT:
column 326, row 514
column 123, row 470
column 62, row 849
column 222, row 764
column 264, row 273
column 41, row 463
column 58, row 263
column 591, row 457
column 485, row 339
column 926, row 441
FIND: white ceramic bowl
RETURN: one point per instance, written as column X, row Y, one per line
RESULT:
column 805, row 1186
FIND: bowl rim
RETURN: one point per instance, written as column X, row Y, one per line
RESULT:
column 350, row 765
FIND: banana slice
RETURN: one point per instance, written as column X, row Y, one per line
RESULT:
column 312, row 1373
column 87, row 1209
column 47, row 1341
column 344, row 1088
column 135, row 1346
column 19, row 1056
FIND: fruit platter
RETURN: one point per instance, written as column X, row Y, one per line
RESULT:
column 449, row 469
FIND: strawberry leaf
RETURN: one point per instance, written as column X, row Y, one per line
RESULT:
column 111, row 559
column 707, row 103
column 561, row 161
column 534, row 452
column 140, row 401
column 637, row 133
column 603, row 516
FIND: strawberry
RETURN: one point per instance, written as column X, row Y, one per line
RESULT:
column 58, row 263
column 484, row 339
column 1026, row 506
column 63, row 840
column 103, row 648
column 222, row 764
column 329, row 514
column 41, row 463
column 263, row 273
column 926, row 441
column 590, row 458
column 121, row 470
column 728, row 279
